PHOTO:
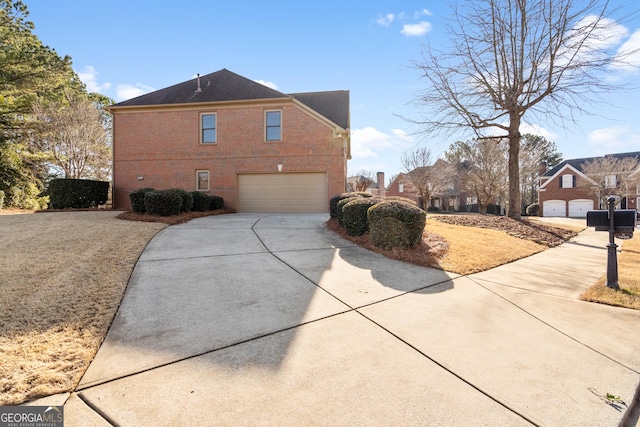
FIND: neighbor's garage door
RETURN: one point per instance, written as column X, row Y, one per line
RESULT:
column 578, row 208
column 554, row 208
column 283, row 192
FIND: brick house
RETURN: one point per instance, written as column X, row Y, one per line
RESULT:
column 450, row 199
column 565, row 191
column 225, row 135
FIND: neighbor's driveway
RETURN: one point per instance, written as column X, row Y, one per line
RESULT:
column 251, row 319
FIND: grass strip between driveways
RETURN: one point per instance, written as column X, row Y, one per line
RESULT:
column 628, row 279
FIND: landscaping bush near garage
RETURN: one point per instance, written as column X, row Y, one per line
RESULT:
column 396, row 224
column 163, row 203
column 333, row 202
column 533, row 209
column 137, row 199
column 67, row 193
column 201, row 202
column 187, row 199
column 354, row 214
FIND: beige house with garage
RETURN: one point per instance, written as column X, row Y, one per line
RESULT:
column 226, row 135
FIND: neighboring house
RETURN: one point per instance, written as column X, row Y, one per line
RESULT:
column 565, row 191
column 374, row 186
column 225, row 135
column 451, row 198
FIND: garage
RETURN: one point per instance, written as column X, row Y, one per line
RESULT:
column 578, row 208
column 283, row 192
column 554, row 208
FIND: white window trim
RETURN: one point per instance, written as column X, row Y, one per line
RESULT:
column 400, row 188
column 610, row 181
column 567, row 180
column 265, row 125
column 198, row 172
column 201, row 129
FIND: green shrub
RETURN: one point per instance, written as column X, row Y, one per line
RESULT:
column 1, row 199
column 333, row 202
column 396, row 224
column 163, row 202
column 77, row 193
column 201, row 202
column 217, row 202
column 533, row 209
column 401, row 199
column 433, row 209
column 137, row 199
column 187, row 199
column 354, row 214
column 341, row 205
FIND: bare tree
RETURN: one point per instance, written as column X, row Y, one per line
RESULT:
column 612, row 176
column 511, row 57
column 481, row 165
column 429, row 179
column 73, row 138
column 361, row 181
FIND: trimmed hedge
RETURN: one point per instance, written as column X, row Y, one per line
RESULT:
column 533, row 209
column 401, row 199
column 340, row 207
column 393, row 223
column 77, row 193
column 333, row 202
column 137, row 199
column 201, row 202
column 217, row 202
column 163, row 202
column 354, row 214
column 187, row 199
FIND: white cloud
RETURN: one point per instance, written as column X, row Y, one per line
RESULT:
column 368, row 141
column 88, row 76
column 128, row 91
column 538, row 130
column 386, row 19
column 631, row 48
column 271, row 85
column 419, row 29
column 615, row 139
column 423, row 12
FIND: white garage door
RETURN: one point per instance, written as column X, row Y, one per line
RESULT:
column 283, row 192
column 554, row 208
column 578, row 208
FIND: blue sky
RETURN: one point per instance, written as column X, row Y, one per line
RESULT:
column 126, row 48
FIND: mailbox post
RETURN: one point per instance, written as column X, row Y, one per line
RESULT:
column 612, row 254
column 620, row 224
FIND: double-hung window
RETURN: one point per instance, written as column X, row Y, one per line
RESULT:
column 273, row 125
column 208, row 128
column 202, row 180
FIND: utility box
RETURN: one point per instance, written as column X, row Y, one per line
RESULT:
column 624, row 220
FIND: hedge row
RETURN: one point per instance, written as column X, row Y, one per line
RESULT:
column 172, row 201
column 392, row 221
column 77, row 193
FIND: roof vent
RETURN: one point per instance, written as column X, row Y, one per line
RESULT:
column 198, row 89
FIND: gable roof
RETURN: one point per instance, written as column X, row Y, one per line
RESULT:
column 222, row 85
column 225, row 85
column 577, row 163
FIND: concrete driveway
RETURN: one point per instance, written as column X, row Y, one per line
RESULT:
column 270, row 319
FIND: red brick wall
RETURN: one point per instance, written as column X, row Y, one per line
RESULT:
column 552, row 191
column 163, row 146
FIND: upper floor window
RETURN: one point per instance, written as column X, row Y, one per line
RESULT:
column 567, row 181
column 610, row 181
column 208, row 128
column 400, row 188
column 273, row 125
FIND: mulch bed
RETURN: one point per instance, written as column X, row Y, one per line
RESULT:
column 535, row 231
column 174, row 219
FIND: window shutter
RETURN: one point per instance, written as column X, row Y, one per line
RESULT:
column 560, row 180
column 574, row 181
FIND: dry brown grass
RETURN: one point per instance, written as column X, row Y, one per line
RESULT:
column 455, row 248
column 478, row 249
column 628, row 279
column 62, row 278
